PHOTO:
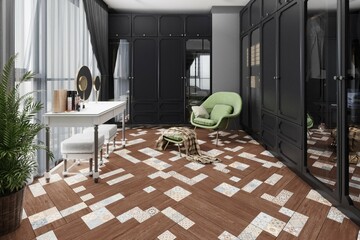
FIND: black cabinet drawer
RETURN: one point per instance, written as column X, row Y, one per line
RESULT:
column 255, row 12
column 119, row 25
column 171, row 106
column 269, row 7
column 169, row 118
column 245, row 19
column 289, row 152
column 198, row 25
column 145, row 25
column 291, row 132
column 144, row 118
column 144, row 107
column 171, row 25
column 269, row 138
column 268, row 121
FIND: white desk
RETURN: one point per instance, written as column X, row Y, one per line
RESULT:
column 93, row 114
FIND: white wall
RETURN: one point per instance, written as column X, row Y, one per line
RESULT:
column 225, row 49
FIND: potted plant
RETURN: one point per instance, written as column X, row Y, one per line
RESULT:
column 18, row 145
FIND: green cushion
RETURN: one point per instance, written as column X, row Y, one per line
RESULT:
column 204, row 121
column 200, row 112
column 174, row 137
column 219, row 111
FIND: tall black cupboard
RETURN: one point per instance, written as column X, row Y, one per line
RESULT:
column 157, row 78
column 309, row 91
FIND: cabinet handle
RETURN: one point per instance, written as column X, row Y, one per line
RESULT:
column 184, row 34
column 170, row 34
column 197, row 35
column 117, row 35
column 267, row 14
column 340, row 78
column 144, row 35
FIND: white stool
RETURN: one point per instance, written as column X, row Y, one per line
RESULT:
column 108, row 130
column 80, row 146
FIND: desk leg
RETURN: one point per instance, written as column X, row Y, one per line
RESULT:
column 47, row 164
column 96, row 143
column 123, row 141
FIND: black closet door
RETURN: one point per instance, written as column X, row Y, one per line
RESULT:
column 171, row 80
column 245, row 84
column 269, row 65
column 290, row 101
column 144, row 81
column 269, row 83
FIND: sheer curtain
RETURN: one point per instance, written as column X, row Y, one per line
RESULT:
column 7, row 8
column 53, row 41
column 122, row 74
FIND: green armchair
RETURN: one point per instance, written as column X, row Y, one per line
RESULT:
column 216, row 111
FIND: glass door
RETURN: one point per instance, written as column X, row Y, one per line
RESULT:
column 197, row 72
column 322, row 91
column 352, row 159
column 121, row 75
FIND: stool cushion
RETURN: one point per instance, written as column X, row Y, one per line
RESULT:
column 175, row 138
column 81, row 143
column 108, row 130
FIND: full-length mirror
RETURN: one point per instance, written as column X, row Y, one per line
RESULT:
column 353, row 101
column 321, row 91
column 198, row 72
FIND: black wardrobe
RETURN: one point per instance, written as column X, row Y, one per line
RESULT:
column 300, row 83
column 158, row 65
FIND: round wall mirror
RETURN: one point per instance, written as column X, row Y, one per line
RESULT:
column 97, row 83
column 84, row 82
column 96, row 86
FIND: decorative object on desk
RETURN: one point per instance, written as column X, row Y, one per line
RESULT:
column 59, row 101
column 97, row 85
column 71, row 95
column 18, row 146
column 83, row 83
column 77, row 102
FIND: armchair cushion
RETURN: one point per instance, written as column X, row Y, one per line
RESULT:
column 219, row 111
column 204, row 121
column 200, row 112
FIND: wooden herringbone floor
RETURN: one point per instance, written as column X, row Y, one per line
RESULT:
column 144, row 193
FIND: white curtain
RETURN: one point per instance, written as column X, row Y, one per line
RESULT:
column 121, row 74
column 53, row 41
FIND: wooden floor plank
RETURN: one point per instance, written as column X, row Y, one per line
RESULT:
column 216, row 202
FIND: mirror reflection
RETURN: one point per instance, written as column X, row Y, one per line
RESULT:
column 353, row 101
column 198, row 75
column 321, row 91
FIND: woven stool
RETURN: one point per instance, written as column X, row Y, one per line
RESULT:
column 109, row 131
column 79, row 147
